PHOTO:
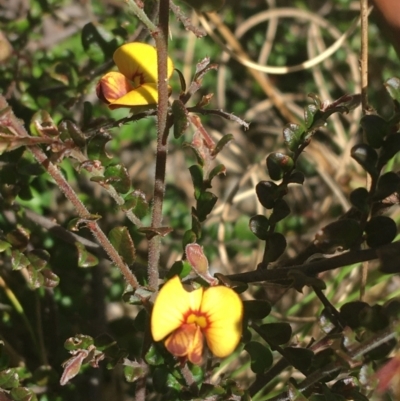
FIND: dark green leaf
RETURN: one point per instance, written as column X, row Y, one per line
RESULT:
column 380, row 230
column 275, row 245
column 123, row 243
column 278, row 164
column 18, row 238
column 359, row 199
column 259, row 226
column 163, row 380
column 366, row 156
column 300, row 358
column 388, row 184
column 375, row 129
column 297, row 177
column 280, row 211
column 342, row 233
column 390, row 147
column 261, row 356
column 276, row 333
column 350, row 313
column 256, row 309
column 267, row 193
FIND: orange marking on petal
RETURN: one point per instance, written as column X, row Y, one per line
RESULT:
column 187, row 340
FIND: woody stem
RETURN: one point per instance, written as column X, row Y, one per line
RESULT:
column 161, row 39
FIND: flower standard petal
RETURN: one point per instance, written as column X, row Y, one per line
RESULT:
column 224, row 311
column 139, row 59
column 172, row 305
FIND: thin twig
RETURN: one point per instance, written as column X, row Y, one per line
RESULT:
column 139, row 12
column 9, row 120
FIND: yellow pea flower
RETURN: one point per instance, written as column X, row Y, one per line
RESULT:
column 184, row 318
column 136, row 82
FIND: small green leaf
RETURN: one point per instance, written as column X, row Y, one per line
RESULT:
column 22, row 394
column 276, row 333
column 9, row 379
column 293, row 134
column 197, row 177
column 80, row 341
column 50, row 279
column 4, row 245
column 181, row 268
column 118, row 177
column 217, row 170
column 153, row 356
column 181, row 121
column 123, row 243
column 392, row 85
column 18, row 238
column 43, row 125
column 85, row 258
column 68, row 129
column 133, row 373
column 205, row 204
column 136, row 201
column 38, row 258
column 222, row 143
column 188, row 238
column 96, row 148
column 261, row 356
column 259, row 226
column 18, row 260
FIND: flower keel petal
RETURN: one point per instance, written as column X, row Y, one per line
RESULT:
column 172, row 304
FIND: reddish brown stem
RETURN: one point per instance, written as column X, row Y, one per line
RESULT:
column 161, row 39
